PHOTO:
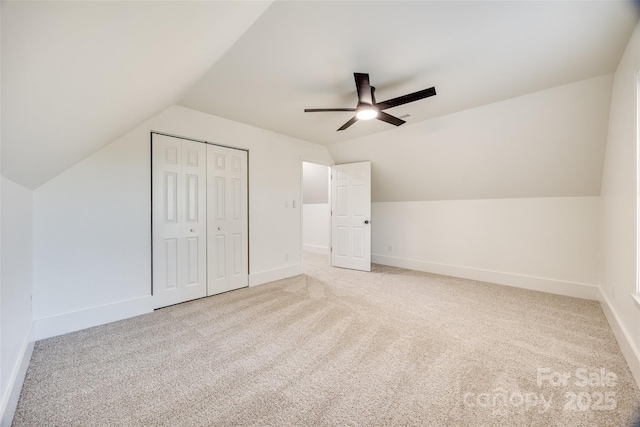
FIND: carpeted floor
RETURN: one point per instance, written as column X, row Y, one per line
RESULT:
column 340, row 347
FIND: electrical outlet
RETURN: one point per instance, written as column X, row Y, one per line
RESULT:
column 286, row 257
column 390, row 248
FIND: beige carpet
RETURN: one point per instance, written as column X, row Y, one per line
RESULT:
column 339, row 347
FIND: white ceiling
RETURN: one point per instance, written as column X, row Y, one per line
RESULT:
column 76, row 75
column 303, row 54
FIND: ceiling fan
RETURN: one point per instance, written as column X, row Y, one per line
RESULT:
column 368, row 108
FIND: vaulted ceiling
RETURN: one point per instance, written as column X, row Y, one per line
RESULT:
column 303, row 55
column 76, row 75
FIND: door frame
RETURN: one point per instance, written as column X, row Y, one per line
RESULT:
column 153, row 132
column 317, row 162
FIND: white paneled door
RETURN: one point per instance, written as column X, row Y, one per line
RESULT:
column 179, row 171
column 227, row 238
column 351, row 216
column 200, row 220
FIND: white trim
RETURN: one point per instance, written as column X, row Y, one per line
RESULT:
column 275, row 274
column 18, row 374
column 554, row 286
column 629, row 350
column 324, row 250
column 636, row 299
column 76, row 320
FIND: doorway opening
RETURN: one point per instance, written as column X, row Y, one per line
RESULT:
column 316, row 211
column 336, row 214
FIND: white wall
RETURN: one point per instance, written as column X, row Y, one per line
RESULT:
column 550, row 244
column 2, row 392
column 315, row 228
column 506, row 193
column 316, row 208
column 17, row 283
column 92, row 222
column 545, row 144
column 315, row 183
column 619, row 254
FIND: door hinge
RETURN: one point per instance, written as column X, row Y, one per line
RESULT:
column 331, row 248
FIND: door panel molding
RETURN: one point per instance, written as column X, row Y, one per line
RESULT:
column 179, row 228
column 227, row 216
column 351, row 216
column 182, row 208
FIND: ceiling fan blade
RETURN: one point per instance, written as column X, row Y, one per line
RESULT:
column 389, row 118
column 318, row 110
column 363, row 87
column 349, row 123
column 405, row 99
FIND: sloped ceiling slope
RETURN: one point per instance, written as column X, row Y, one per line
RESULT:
column 546, row 144
column 76, row 75
column 303, row 55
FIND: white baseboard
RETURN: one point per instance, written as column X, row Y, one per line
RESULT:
column 14, row 386
column 560, row 287
column 629, row 350
column 69, row 322
column 316, row 249
column 275, row 274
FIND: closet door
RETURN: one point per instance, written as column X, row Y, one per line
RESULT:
column 179, row 229
column 227, row 215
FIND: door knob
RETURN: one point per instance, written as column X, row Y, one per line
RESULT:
column 191, row 230
column 219, row 229
column 366, row 221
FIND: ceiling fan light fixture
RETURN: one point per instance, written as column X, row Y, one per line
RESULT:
column 367, row 113
column 368, row 108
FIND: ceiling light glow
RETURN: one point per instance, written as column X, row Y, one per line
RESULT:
column 367, row 114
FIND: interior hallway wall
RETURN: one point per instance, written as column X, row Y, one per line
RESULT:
column 315, row 208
